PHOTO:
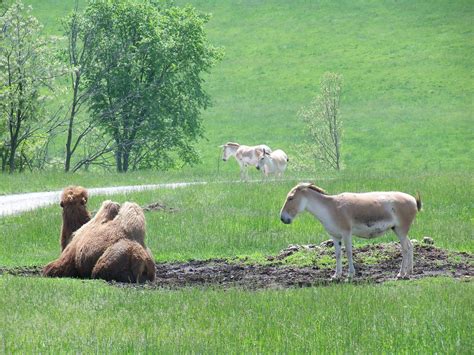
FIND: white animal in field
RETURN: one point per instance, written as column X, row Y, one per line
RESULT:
column 366, row 215
column 274, row 163
column 245, row 155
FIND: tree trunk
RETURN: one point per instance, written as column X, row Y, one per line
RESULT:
column 69, row 152
column 11, row 162
column 126, row 156
column 118, row 158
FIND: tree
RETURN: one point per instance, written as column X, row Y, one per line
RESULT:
column 27, row 71
column 147, row 78
column 324, row 123
column 79, row 53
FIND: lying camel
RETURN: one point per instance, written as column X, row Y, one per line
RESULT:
column 110, row 246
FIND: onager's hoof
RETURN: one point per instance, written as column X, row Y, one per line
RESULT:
column 336, row 277
column 403, row 276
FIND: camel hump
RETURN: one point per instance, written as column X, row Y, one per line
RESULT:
column 132, row 220
column 108, row 211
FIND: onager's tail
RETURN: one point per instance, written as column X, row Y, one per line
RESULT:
column 418, row 201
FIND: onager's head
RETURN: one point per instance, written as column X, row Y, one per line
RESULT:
column 263, row 159
column 229, row 150
column 296, row 201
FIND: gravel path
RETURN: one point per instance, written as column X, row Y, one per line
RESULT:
column 18, row 203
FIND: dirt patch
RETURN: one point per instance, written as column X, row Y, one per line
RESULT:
column 374, row 264
column 158, row 206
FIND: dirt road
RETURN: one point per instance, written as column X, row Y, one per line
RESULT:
column 17, row 203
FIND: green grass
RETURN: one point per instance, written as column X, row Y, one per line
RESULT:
column 74, row 316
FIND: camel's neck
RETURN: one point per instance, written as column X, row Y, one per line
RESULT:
column 73, row 220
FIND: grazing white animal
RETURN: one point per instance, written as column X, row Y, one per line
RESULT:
column 245, row 155
column 366, row 215
column 273, row 162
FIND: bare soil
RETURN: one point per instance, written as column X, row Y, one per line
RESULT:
column 374, row 263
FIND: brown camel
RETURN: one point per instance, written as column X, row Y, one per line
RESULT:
column 110, row 246
column 75, row 214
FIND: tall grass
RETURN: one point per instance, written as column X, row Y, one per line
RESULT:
column 75, row 316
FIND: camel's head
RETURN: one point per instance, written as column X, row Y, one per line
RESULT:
column 74, row 196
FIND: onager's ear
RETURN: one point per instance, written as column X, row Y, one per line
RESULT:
column 264, row 151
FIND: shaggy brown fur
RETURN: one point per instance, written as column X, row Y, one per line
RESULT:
column 75, row 214
column 110, row 246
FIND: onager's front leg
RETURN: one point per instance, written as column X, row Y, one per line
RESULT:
column 242, row 170
column 337, row 247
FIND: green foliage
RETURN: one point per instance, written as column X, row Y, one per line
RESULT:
column 147, row 78
column 324, row 123
column 27, row 71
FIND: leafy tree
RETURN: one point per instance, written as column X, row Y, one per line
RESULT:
column 79, row 52
column 324, row 123
column 147, row 79
column 27, row 71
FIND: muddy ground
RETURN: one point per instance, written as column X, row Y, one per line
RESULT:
column 374, row 264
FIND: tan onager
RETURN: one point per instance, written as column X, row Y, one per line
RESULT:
column 365, row 215
column 274, row 163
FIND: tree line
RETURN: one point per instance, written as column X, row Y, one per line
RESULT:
column 122, row 86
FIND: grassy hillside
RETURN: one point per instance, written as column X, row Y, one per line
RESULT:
column 407, row 67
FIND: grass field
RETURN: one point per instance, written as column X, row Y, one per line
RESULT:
column 74, row 316
column 407, row 106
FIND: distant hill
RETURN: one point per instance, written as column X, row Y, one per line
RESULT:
column 407, row 67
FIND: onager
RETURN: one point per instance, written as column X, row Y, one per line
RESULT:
column 273, row 162
column 245, row 155
column 365, row 215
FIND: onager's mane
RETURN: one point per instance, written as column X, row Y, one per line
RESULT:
column 313, row 187
column 232, row 144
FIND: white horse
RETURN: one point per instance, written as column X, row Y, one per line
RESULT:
column 273, row 162
column 245, row 155
column 366, row 215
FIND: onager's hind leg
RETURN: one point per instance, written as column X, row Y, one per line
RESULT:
column 348, row 246
column 406, row 268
